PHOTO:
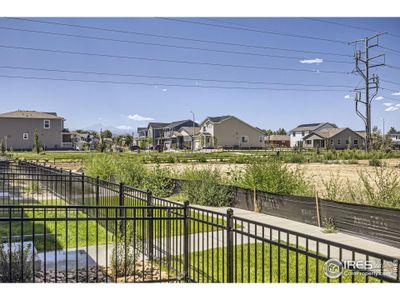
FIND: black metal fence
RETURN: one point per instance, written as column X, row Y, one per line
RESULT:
column 59, row 226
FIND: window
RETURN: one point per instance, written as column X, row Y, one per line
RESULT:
column 331, row 141
column 46, row 124
column 302, row 133
column 347, row 142
column 245, row 139
column 355, row 142
column 294, row 133
column 338, row 142
column 25, row 136
column 308, row 142
column 261, row 138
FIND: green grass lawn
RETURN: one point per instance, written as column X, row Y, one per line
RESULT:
column 252, row 265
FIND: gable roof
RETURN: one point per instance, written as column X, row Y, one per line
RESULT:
column 224, row 118
column 176, row 123
column 30, row 114
column 278, row 137
column 157, row 124
column 190, row 130
column 311, row 126
column 328, row 133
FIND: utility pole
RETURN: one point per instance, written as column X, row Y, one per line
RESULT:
column 364, row 64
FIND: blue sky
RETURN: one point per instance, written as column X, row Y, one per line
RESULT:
column 84, row 104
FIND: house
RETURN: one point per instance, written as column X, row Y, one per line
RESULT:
column 17, row 130
column 187, row 136
column 84, row 140
column 154, row 132
column 228, row 132
column 334, row 138
column 278, row 140
column 297, row 134
column 395, row 138
column 171, row 135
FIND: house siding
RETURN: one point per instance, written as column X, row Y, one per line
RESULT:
column 12, row 130
column 228, row 134
column 343, row 136
column 298, row 137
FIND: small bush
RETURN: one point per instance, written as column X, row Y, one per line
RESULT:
column 273, row 176
column 20, row 268
column 205, row 187
column 375, row 162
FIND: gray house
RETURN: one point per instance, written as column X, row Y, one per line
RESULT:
column 334, row 138
column 17, row 129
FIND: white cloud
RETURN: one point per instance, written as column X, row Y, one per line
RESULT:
column 392, row 108
column 312, row 61
column 124, row 127
column 396, row 94
column 398, row 105
column 379, row 98
column 137, row 117
column 164, row 90
column 347, row 97
column 388, row 104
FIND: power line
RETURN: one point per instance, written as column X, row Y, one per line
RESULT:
column 180, row 38
column 252, row 29
column 390, row 49
column 162, row 45
column 170, row 60
column 169, row 78
column 349, row 26
column 166, row 85
column 388, row 81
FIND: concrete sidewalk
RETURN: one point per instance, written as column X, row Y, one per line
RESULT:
column 314, row 231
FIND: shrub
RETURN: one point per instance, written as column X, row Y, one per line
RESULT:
column 158, row 180
column 275, row 177
column 126, row 252
column 20, row 268
column 205, row 187
column 2, row 147
column 374, row 162
column 102, row 165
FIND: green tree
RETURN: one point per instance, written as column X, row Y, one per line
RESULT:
column 106, row 134
column 281, row 131
column 37, row 147
column 2, row 147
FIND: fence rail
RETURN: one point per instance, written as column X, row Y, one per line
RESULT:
column 59, row 226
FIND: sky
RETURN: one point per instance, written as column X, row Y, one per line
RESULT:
column 87, row 104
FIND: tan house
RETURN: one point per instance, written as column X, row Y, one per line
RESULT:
column 334, row 138
column 228, row 132
column 17, row 129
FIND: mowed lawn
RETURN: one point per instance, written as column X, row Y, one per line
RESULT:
column 257, row 263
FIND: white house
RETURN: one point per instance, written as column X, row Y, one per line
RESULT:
column 297, row 134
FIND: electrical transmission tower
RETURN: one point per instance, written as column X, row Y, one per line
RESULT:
column 364, row 64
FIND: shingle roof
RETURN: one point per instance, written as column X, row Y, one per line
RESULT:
column 157, row 124
column 278, row 138
column 328, row 133
column 310, row 126
column 27, row 114
column 175, row 123
column 218, row 119
column 190, row 130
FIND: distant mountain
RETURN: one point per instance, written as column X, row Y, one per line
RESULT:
column 115, row 130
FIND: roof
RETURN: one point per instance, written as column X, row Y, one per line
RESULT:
column 218, row 119
column 176, row 123
column 157, row 124
column 190, row 130
column 30, row 114
column 330, row 132
column 278, row 138
column 141, row 128
column 310, row 126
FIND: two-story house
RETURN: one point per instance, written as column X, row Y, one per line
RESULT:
column 297, row 134
column 228, row 132
column 395, row 137
column 154, row 132
column 171, row 135
column 17, row 129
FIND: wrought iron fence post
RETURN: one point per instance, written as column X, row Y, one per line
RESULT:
column 83, row 188
column 97, row 191
column 150, row 228
column 121, row 199
column 186, row 241
column 229, row 245
column 70, row 188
